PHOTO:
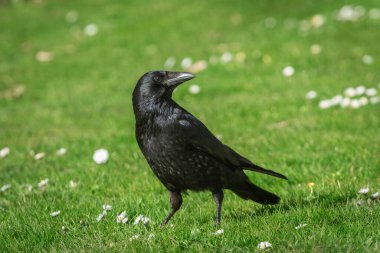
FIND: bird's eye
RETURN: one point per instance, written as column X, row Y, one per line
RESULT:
column 157, row 79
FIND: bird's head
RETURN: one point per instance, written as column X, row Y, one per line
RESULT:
column 160, row 84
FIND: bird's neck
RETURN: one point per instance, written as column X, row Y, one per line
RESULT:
column 148, row 108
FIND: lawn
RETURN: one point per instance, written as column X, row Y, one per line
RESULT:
column 65, row 83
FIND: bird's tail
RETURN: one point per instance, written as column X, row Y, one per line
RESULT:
column 254, row 167
column 247, row 190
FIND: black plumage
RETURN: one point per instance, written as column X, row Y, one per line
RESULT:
column 182, row 152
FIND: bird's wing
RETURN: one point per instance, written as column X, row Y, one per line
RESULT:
column 201, row 138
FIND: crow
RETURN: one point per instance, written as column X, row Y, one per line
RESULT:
column 182, row 152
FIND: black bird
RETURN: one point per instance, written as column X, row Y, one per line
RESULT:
column 182, row 152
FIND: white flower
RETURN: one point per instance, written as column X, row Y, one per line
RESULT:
column 107, row 207
column 371, row 92
column 100, row 156
column 374, row 100
column 264, row 245
column 324, row 104
column 61, row 151
column 72, row 16
column 186, row 62
column 4, row 152
column 355, row 103
column 226, row 57
column 336, row 100
column 288, row 71
column 44, row 56
column 363, row 100
column 311, row 95
column 350, row 13
column 145, row 220
column 318, row 20
column 345, row 102
column 39, row 156
column 367, row 59
column 121, row 218
column 315, row 49
column 55, row 214
column 43, row 183
column 198, row 66
column 350, row 92
column 219, row 232
column 151, row 236
column 375, row 195
column 301, row 226
column 360, row 202
column 29, row 187
column 73, row 184
column 101, row 216
column 134, row 237
column 363, row 191
column 360, row 90
column 64, row 229
column 194, row 89
column 141, row 219
column 91, row 30
column 170, row 62
column 5, row 187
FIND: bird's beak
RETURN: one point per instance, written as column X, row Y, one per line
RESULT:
column 176, row 78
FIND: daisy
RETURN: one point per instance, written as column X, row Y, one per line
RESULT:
column 364, row 191
column 100, row 156
column 4, row 152
column 194, row 89
column 288, row 71
column 219, row 232
column 5, row 187
column 264, row 245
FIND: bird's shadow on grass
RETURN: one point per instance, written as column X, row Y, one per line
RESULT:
column 322, row 201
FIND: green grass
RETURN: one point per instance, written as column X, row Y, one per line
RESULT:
column 81, row 100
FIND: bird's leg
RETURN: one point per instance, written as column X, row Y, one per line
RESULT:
column 175, row 202
column 218, row 197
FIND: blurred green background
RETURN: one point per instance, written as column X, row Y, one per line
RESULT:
column 67, row 71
